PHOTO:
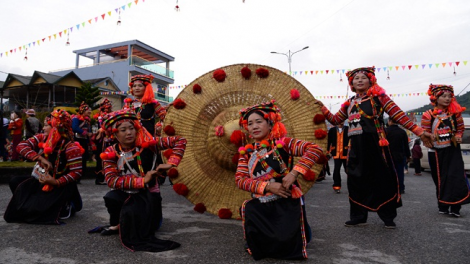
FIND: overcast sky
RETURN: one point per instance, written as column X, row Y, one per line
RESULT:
column 208, row 34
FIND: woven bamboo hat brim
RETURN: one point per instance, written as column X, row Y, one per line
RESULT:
column 206, row 168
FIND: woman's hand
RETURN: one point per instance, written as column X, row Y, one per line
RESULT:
column 289, row 179
column 47, row 179
column 163, row 167
column 427, row 139
column 149, row 176
column 277, row 188
column 44, row 163
column 458, row 140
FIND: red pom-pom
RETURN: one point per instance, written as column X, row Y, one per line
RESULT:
column 224, row 213
column 237, row 138
column 180, row 189
column 96, row 116
column 320, row 133
column 82, row 150
column 262, row 72
column 145, row 144
column 172, row 173
column 246, row 72
column 167, row 153
column 197, row 89
column 47, row 150
column 309, row 176
column 219, row 131
column 318, row 119
column 219, row 75
column 104, row 156
column 128, row 100
column 179, row 103
column 294, row 94
column 169, row 130
column 200, row 208
column 41, row 145
column 152, row 142
column 235, row 158
column 115, row 130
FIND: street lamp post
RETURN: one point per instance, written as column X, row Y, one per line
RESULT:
column 289, row 56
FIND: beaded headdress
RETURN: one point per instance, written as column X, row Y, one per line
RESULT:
column 61, row 124
column 271, row 112
column 106, row 104
column 375, row 89
column 147, row 81
column 82, row 108
column 436, row 90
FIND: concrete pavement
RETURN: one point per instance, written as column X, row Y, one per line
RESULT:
column 422, row 235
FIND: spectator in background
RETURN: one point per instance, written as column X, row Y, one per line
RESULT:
column 16, row 129
column 400, row 151
column 82, row 132
column 416, row 155
column 3, row 137
column 32, row 124
column 338, row 141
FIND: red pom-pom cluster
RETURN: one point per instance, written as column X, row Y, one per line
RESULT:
column 169, row 130
column 309, row 176
column 107, row 155
column 82, row 150
column 179, row 103
column 320, row 133
column 237, row 138
column 262, row 72
column 346, row 104
column 197, row 89
column 48, row 150
column 41, row 145
column 318, row 119
column 200, row 208
column 219, row 75
column 167, row 153
column 180, row 189
column 246, row 72
column 128, row 100
column 294, row 94
column 172, row 173
column 224, row 213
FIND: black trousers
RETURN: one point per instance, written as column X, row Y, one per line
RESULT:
column 387, row 212
column 336, row 171
column 417, row 164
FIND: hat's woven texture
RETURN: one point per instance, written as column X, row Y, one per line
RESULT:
column 207, row 168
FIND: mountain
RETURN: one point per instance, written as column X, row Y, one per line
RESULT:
column 464, row 101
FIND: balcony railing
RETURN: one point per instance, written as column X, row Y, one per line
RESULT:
column 150, row 66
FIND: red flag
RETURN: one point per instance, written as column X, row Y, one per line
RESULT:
column 409, row 67
column 103, row 15
column 457, row 63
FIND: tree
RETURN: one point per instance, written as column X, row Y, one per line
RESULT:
column 88, row 94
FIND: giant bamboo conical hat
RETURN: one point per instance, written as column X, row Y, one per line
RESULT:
column 207, row 168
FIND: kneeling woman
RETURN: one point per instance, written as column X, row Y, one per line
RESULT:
column 130, row 165
column 51, row 193
column 274, row 221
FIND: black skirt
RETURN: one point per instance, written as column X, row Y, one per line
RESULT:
column 372, row 179
column 30, row 204
column 453, row 185
column 275, row 229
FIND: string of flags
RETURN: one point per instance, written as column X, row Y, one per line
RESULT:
column 68, row 30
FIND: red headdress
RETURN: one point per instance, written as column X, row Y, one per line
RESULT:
column 82, row 108
column 114, row 119
column 436, row 90
column 375, row 89
column 271, row 112
column 149, row 96
column 61, row 124
column 105, row 105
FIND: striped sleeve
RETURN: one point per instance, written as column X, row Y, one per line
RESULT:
column 460, row 125
column 397, row 115
column 177, row 143
column 243, row 179
column 159, row 110
column 309, row 153
column 29, row 148
column 74, row 165
column 116, row 181
column 426, row 121
column 338, row 118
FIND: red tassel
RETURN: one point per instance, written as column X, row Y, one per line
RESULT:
column 103, row 156
column 320, row 133
column 246, row 72
column 180, row 189
column 262, row 73
column 318, row 119
column 383, row 142
column 197, row 89
column 309, row 176
column 219, row 75
column 296, row 192
column 179, row 103
column 169, row 130
column 41, row 145
column 48, row 150
column 237, row 138
column 172, row 173
column 294, row 94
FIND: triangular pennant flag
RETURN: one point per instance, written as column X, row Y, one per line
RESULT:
column 89, row 21
column 49, row 38
column 19, row 48
column 55, row 36
column 129, row 5
column 385, row 68
column 437, row 65
column 416, row 66
column 424, row 65
column 396, row 67
column 337, row 71
column 457, row 63
column 450, row 64
column 430, row 65
column 326, row 71
column 34, row 44
column 38, row 44
column 409, row 67
column 465, row 63
column 1, row 55
column 109, row 13
column 60, row 34
column 103, row 15
column 96, row 19
column 306, row 72
column 71, row 28
column 123, row 7
column 443, row 64
column 117, row 11
column 43, row 39
column 83, row 24
column 316, row 72
column 6, row 52
column 65, row 31
column 311, row 72
column 136, row 1
column 403, row 67
column 29, row 45
column 343, row 70
column 332, row 71
column 321, row 72
column 378, row 69
column 390, row 68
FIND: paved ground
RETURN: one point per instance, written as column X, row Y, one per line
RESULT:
column 422, row 236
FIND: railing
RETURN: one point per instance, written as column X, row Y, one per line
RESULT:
column 150, row 66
